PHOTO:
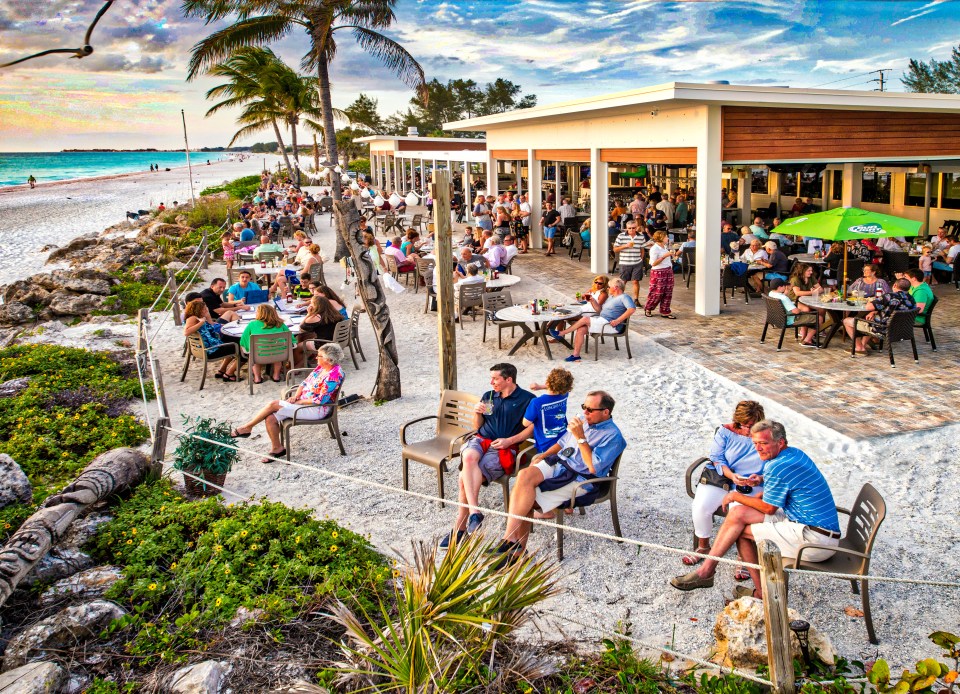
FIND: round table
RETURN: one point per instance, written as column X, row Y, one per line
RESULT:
column 837, row 311
column 257, row 270
column 807, row 258
column 535, row 326
column 502, row 282
column 236, row 328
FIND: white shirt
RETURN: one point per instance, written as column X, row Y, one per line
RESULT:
column 511, row 252
column 668, row 209
column 567, row 211
column 888, row 243
column 814, row 245
column 525, row 207
column 952, row 253
column 749, row 256
column 659, row 258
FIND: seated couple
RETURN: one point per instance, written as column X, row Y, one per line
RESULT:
column 614, row 312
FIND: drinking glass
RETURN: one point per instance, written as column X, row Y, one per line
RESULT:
column 488, row 406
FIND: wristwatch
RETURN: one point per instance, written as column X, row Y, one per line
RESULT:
column 581, row 441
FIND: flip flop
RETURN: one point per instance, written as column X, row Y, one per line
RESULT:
column 279, row 454
column 258, row 382
column 668, row 316
column 741, row 575
column 235, row 433
column 691, row 560
column 648, row 314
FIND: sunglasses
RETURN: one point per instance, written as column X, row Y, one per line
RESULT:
column 592, row 409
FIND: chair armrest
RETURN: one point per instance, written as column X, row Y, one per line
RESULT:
column 457, row 441
column 526, row 451
column 299, row 373
column 403, row 429
column 816, row 545
column 293, row 421
column 845, row 511
column 691, row 471
column 579, row 485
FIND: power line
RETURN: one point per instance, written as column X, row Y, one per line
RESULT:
column 880, row 79
column 844, row 79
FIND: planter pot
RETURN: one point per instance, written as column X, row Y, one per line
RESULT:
column 197, row 488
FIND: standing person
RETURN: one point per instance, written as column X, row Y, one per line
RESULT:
column 926, row 264
column 492, row 453
column 481, row 213
column 629, row 245
column 226, row 244
column 661, row 278
column 796, row 508
column 32, row 181
column 526, row 209
column 549, row 222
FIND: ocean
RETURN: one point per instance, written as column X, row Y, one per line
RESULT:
column 16, row 167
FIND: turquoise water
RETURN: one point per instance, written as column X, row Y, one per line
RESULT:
column 15, row 168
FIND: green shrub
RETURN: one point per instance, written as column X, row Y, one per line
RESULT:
column 66, row 417
column 193, row 454
column 238, row 188
column 360, row 166
column 188, row 565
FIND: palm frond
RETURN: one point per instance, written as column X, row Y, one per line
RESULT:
column 394, row 56
column 245, row 33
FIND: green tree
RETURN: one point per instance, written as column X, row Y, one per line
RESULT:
column 500, row 96
column 363, row 115
column 937, row 76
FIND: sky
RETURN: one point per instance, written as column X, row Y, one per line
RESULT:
column 129, row 93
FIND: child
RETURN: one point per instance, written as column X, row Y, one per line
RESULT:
column 926, row 264
column 778, row 291
column 547, row 414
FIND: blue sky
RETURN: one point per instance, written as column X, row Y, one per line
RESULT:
column 130, row 92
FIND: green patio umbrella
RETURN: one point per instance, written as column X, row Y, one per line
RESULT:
column 845, row 223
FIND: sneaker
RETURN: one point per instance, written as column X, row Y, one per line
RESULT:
column 572, row 357
column 445, row 542
column 474, row 522
column 554, row 333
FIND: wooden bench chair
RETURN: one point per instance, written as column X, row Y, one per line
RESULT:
column 294, row 376
column 454, row 426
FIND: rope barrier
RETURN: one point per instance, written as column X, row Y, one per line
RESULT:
column 143, row 392
column 166, row 285
column 663, row 649
column 495, row 512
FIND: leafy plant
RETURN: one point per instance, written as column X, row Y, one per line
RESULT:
column 450, row 615
column 929, row 675
column 238, row 188
column 194, row 454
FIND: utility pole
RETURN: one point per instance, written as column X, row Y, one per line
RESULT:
column 880, row 80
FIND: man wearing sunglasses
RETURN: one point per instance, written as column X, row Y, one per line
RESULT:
column 588, row 449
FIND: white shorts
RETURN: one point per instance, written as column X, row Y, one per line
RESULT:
column 307, row 413
column 788, row 536
column 547, row 501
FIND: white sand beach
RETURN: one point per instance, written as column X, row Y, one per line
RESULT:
column 667, row 425
column 55, row 213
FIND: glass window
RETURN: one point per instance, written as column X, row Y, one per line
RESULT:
column 876, row 187
column 838, row 185
column 788, row 184
column 951, row 191
column 811, row 184
column 760, row 181
column 914, row 188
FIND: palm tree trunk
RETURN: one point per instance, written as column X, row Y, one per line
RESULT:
column 296, row 154
column 330, row 139
column 283, row 147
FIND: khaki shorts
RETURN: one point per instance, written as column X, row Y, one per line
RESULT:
column 788, row 536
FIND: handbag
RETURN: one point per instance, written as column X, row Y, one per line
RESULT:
column 715, row 479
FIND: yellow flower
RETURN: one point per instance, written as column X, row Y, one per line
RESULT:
column 334, row 535
column 217, row 548
column 333, row 548
column 297, row 539
column 218, row 602
column 253, row 546
column 243, row 533
column 129, row 542
column 226, row 570
column 152, row 586
column 133, row 531
column 173, row 566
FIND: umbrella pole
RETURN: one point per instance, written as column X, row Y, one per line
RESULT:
column 843, row 287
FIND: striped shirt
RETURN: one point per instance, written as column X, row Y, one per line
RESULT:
column 630, row 256
column 792, row 482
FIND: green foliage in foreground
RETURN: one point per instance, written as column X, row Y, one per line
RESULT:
column 189, row 565
column 238, row 188
column 73, row 410
column 929, row 674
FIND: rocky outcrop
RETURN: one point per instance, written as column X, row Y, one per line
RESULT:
column 14, row 485
column 86, row 585
column 199, row 678
column 742, row 640
column 65, row 629
column 72, row 248
column 13, row 387
column 35, row 678
column 58, row 563
column 64, row 304
column 15, row 313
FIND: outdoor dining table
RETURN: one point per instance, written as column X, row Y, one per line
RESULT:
column 535, row 326
column 502, row 282
column 807, row 258
column 838, row 310
column 291, row 315
column 257, row 270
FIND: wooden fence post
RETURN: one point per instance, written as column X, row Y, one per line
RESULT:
column 160, row 394
column 443, row 242
column 174, row 299
column 159, row 452
column 773, row 583
column 143, row 319
column 205, row 251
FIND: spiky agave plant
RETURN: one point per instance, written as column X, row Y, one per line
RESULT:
column 450, row 615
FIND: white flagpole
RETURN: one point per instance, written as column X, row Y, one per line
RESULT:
column 193, row 199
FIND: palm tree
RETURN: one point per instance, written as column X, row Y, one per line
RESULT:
column 260, row 22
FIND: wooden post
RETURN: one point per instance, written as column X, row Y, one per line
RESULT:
column 161, row 396
column 174, row 299
column 205, row 251
column 143, row 319
column 773, row 583
column 159, row 445
column 443, row 243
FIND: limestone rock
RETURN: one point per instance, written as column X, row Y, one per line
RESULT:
column 47, row 281
column 741, row 636
column 77, row 683
column 7, row 337
column 13, row 387
column 15, row 313
column 245, row 615
column 92, row 583
column 65, row 629
column 59, row 563
column 149, row 274
column 199, row 678
column 14, row 485
column 83, row 529
column 87, row 286
column 84, row 273
column 35, row 678
column 78, row 244
column 76, row 305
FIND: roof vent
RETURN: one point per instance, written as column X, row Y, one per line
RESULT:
column 412, row 131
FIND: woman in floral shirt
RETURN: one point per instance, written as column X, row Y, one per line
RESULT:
column 319, row 389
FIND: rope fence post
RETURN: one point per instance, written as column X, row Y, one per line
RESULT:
column 773, row 583
column 160, row 394
column 174, row 299
column 204, row 253
column 161, row 431
column 143, row 316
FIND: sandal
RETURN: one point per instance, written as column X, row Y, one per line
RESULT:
column 258, row 382
column 279, row 454
column 741, row 575
column 219, row 374
column 693, row 559
column 230, row 378
column 235, row 433
column 648, row 314
column 668, row 316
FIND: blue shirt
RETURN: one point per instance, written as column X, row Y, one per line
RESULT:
column 616, row 306
column 606, row 442
column 240, row 293
column 507, row 417
column 736, row 452
column 791, row 481
column 549, row 416
column 246, row 235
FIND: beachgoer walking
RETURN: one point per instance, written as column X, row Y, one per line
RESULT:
column 32, row 181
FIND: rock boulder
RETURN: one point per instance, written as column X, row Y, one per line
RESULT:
column 89, row 584
column 65, row 629
column 13, row 387
column 35, row 678
column 15, row 313
column 199, row 678
column 77, row 244
column 64, row 304
column 87, row 286
column 58, row 563
column 14, row 485
column 742, row 641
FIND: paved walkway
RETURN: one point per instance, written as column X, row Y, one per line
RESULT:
column 860, row 397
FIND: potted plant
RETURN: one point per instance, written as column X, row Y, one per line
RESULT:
column 204, row 459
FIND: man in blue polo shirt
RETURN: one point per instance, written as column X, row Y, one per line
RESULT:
column 492, row 453
column 796, row 507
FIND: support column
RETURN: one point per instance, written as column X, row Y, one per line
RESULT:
column 467, row 196
column 927, row 190
column 744, row 183
column 852, row 194
column 709, row 183
column 776, row 191
column 599, row 233
column 826, row 190
column 519, row 165
column 397, row 180
column 491, row 174
column 423, row 178
column 534, row 195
